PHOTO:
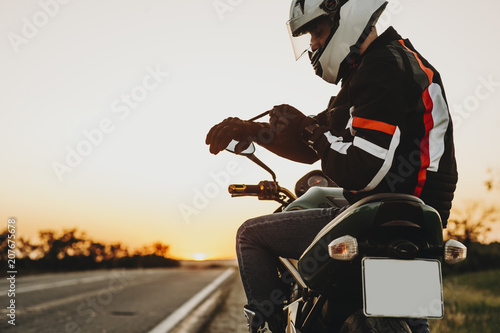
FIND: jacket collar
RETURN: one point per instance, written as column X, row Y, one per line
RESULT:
column 387, row 37
column 384, row 39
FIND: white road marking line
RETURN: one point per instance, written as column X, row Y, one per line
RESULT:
column 43, row 286
column 58, row 284
column 64, row 283
column 70, row 299
column 197, row 319
column 178, row 315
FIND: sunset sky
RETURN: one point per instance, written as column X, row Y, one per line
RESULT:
column 106, row 103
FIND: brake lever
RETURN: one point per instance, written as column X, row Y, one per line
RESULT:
column 260, row 115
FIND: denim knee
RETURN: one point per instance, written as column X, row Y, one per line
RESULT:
column 243, row 230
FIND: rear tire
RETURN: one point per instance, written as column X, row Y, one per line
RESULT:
column 358, row 322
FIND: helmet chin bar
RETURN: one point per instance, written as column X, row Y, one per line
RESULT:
column 314, row 57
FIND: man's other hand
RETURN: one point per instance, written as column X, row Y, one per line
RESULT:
column 219, row 136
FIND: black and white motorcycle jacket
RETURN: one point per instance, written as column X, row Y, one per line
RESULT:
column 389, row 128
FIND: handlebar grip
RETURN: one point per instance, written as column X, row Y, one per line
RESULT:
column 242, row 189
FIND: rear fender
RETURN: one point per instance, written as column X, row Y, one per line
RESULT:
column 359, row 220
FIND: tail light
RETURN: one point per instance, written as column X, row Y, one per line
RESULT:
column 454, row 252
column 343, row 248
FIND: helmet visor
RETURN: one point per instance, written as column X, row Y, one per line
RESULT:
column 301, row 44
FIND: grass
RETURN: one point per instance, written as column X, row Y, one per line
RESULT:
column 472, row 303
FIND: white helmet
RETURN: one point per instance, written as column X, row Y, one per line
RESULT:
column 351, row 22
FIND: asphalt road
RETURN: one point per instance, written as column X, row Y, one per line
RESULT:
column 125, row 301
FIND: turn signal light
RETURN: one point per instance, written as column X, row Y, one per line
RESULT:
column 343, row 248
column 454, row 252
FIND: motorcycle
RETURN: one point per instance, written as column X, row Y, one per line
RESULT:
column 371, row 269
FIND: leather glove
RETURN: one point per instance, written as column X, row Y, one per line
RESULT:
column 289, row 123
column 219, row 136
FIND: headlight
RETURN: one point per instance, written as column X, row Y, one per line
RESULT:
column 454, row 252
column 343, row 248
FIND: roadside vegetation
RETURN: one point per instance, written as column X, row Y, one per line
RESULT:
column 472, row 303
column 72, row 250
column 472, row 288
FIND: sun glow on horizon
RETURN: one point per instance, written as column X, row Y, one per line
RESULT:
column 199, row 256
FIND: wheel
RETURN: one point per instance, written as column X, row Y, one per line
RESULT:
column 358, row 322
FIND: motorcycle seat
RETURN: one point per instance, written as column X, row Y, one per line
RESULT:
column 319, row 197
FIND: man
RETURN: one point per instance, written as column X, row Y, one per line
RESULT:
column 387, row 130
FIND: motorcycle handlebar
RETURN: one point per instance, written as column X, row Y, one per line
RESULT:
column 242, row 189
column 265, row 190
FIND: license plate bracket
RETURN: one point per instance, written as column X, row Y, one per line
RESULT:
column 402, row 288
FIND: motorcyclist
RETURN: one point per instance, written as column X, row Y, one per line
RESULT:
column 387, row 130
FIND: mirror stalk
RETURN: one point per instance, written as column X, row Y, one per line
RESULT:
column 254, row 159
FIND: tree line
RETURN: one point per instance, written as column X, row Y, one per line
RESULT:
column 73, row 250
column 471, row 223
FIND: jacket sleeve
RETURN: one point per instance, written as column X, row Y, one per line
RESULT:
column 358, row 156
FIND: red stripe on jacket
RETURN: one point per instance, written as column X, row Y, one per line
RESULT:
column 373, row 125
column 428, row 123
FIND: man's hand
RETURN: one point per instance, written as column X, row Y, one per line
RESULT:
column 285, row 118
column 284, row 135
column 288, row 122
column 219, row 137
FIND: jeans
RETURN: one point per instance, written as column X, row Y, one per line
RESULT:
column 261, row 240
column 259, row 243
column 418, row 325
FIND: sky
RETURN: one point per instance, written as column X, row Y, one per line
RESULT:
column 106, row 104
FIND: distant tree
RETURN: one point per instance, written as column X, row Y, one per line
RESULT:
column 471, row 223
column 116, row 251
column 3, row 245
column 96, row 251
column 160, row 249
column 493, row 181
column 23, row 247
column 72, row 250
column 55, row 246
column 157, row 248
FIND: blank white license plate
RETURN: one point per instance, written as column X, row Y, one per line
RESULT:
column 402, row 288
